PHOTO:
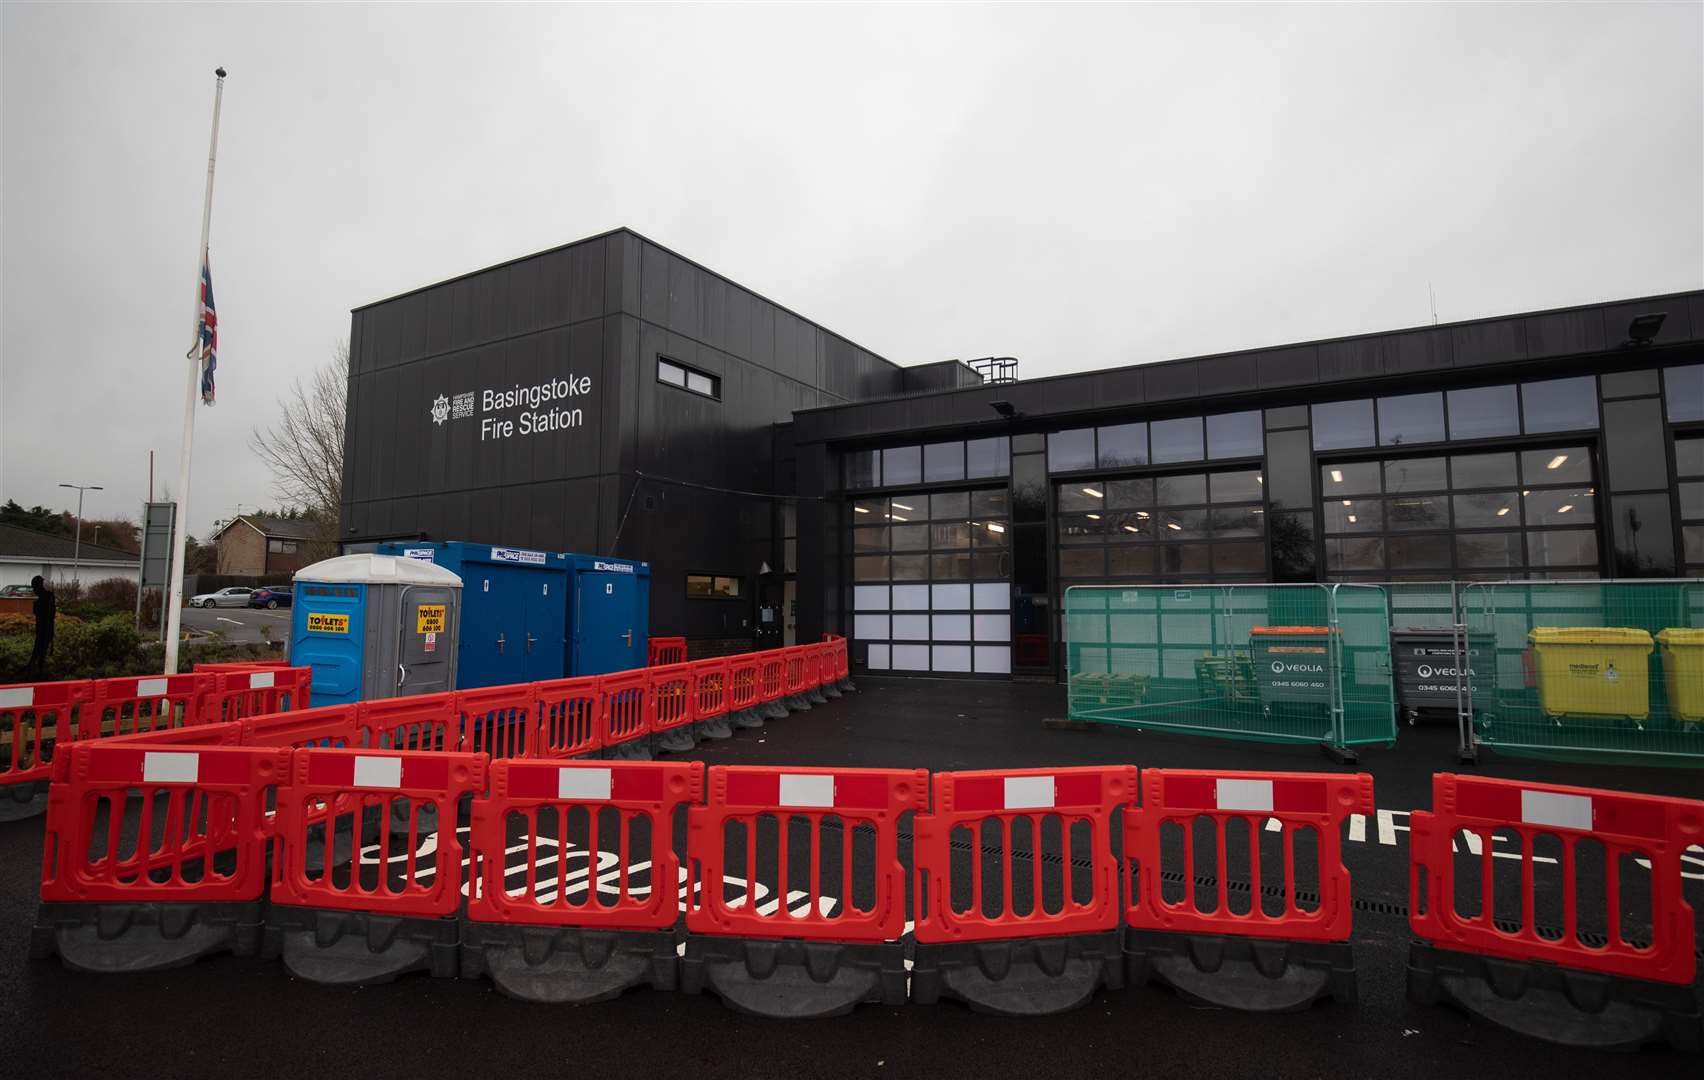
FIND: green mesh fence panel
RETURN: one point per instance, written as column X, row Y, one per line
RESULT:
column 1280, row 663
column 1590, row 670
column 1422, row 605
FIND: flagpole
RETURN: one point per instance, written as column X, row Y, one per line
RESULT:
column 174, row 594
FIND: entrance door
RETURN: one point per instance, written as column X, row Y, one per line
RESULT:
column 607, row 633
column 424, row 640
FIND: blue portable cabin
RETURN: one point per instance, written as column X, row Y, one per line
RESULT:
column 375, row 626
column 609, row 614
column 514, row 609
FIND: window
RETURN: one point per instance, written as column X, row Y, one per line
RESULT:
column 1193, row 527
column 712, row 587
column 987, row 457
column 1689, row 474
column 1233, row 435
column 282, row 547
column 1123, row 444
column 1496, row 515
column 1685, row 392
column 1340, row 425
column 1560, row 404
column 943, row 461
column 675, row 373
column 1069, row 450
column 1411, row 418
column 863, row 468
column 902, row 465
column 1484, row 412
column 1177, row 440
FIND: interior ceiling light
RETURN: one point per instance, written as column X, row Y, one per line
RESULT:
column 897, row 517
column 1143, row 514
column 994, row 526
column 1257, row 511
column 1565, row 508
column 1503, row 511
column 1131, row 528
column 1092, row 492
column 1094, row 517
column 900, row 506
column 1557, row 461
column 1351, row 519
column 1524, row 494
column 1348, row 502
column 1337, row 476
column 860, row 509
column 1174, row 525
column 1259, row 479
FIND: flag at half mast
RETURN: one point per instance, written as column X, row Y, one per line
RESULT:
column 209, row 337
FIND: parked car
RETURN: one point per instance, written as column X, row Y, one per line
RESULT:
column 235, row 596
column 14, row 591
column 272, row 596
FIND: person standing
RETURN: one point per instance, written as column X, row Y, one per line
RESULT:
column 44, row 614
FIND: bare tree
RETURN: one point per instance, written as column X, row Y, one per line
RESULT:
column 304, row 449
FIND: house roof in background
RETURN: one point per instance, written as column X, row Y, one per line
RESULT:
column 17, row 542
column 272, row 527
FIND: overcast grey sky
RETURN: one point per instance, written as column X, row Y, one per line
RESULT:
column 1076, row 186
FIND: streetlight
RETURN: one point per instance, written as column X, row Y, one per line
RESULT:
column 77, row 543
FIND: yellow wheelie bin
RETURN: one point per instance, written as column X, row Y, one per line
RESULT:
column 1586, row 671
column 1683, row 672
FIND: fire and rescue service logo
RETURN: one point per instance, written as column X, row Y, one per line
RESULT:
column 440, row 409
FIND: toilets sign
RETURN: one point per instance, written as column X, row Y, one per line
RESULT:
column 517, row 410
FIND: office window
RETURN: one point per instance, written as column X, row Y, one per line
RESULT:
column 902, row 465
column 712, row 587
column 1342, row 425
column 987, row 457
column 702, row 383
column 1484, row 412
column 943, row 461
column 1196, row 526
column 1176, row 440
column 1232, row 435
column 1684, row 389
column 1071, row 450
column 1123, row 444
column 1411, row 418
column 1559, row 404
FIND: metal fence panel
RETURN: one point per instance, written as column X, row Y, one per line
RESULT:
column 1585, row 669
column 1277, row 663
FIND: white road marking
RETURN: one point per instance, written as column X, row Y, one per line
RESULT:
column 222, row 618
column 1358, row 828
column 1388, row 828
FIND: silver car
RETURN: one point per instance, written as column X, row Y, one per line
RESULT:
column 235, row 596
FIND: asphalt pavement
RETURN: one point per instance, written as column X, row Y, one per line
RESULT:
column 239, row 624
column 228, row 1016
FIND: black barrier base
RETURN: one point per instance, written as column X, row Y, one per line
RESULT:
column 631, row 750
column 749, row 719
column 794, row 980
column 714, row 728
column 829, row 690
column 848, row 685
column 1252, row 974
column 1557, row 1004
column 25, row 800
column 796, row 703
column 345, row 948
column 815, row 696
column 562, row 965
column 113, row 938
column 674, row 741
column 1025, row 977
column 773, row 710
column 1342, row 755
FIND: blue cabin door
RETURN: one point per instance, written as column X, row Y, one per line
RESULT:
column 607, row 634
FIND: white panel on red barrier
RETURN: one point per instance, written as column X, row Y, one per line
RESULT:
column 807, row 789
column 1029, row 792
column 1556, row 810
column 151, row 687
column 1245, row 795
column 162, row 767
column 583, row 784
column 378, row 772
column 17, row 697
column 262, row 680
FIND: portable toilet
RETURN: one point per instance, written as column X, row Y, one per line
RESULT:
column 514, row 609
column 375, row 626
column 609, row 615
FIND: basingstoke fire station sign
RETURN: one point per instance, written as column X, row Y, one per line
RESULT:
column 518, row 410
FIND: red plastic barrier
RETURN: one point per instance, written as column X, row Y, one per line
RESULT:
column 838, row 666
column 570, row 720
column 34, row 718
column 242, row 665
column 421, row 722
column 966, row 801
column 556, row 810
column 1316, row 801
column 745, row 681
column 195, row 834
column 1648, row 827
column 228, row 733
column 826, row 909
column 498, row 720
column 256, row 692
column 329, row 727
column 130, row 705
column 626, row 701
column 404, row 874
column 674, row 696
column 771, row 675
column 798, row 660
column 666, row 650
column 711, row 679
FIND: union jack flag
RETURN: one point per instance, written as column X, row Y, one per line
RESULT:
column 209, row 343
